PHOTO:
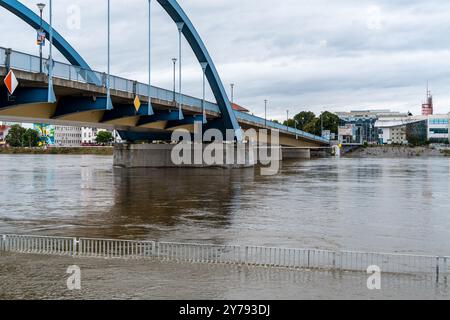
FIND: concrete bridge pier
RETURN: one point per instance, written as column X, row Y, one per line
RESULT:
column 289, row 153
column 162, row 156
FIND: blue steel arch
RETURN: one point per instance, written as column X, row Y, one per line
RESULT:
column 190, row 33
column 178, row 15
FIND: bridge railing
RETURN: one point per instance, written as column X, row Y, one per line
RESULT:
column 261, row 121
column 30, row 63
column 435, row 266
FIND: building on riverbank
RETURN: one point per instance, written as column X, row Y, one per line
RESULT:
column 66, row 136
column 402, row 130
column 89, row 135
column 428, row 107
column 358, row 127
column 438, row 128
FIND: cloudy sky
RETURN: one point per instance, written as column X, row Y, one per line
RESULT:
column 299, row 54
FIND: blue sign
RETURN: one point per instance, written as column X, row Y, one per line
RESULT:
column 40, row 41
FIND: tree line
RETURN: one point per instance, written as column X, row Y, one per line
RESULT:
column 19, row 137
column 308, row 121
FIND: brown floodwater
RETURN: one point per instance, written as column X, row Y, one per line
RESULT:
column 44, row 277
column 382, row 205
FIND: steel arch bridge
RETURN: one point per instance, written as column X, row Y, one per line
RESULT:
column 178, row 15
column 132, row 125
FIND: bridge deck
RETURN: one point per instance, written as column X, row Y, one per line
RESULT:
column 69, row 78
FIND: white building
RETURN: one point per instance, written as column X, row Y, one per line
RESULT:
column 4, row 129
column 66, row 136
column 358, row 126
column 394, row 130
column 89, row 135
column 438, row 128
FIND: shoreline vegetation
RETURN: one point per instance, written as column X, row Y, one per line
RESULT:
column 101, row 151
column 364, row 152
column 398, row 152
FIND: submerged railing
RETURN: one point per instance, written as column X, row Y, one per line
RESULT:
column 224, row 254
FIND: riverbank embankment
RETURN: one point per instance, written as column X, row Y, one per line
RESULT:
column 101, row 151
column 398, row 152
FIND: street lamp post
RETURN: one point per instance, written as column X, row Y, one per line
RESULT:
column 180, row 26
column 287, row 121
column 41, row 7
column 204, row 66
column 232, row 93
column 265, row 113
column 321, row 125
column 108, row 77
column 174, row 60
column 51, row 98
column 150, row 108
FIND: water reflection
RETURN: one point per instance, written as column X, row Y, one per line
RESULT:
column 149, row 202
column 390, row 205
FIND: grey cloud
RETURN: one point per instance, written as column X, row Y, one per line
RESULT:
column 299, row 54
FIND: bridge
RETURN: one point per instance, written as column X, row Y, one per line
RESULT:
column 74, row 94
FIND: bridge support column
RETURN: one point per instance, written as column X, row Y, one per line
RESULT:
column 296, row 153
column 161, row 156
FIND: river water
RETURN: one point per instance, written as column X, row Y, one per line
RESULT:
column 381, row 205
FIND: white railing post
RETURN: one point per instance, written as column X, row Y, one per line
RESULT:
column 74, row 247
column 3, row 246
column 437, row 269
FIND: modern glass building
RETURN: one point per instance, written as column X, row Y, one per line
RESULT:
column 358, row 127
column 438, row 128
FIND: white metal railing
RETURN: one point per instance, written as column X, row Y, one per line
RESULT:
column 227, row 254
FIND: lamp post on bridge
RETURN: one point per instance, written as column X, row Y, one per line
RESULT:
column 174, row 60
column 204, row 66
column 265, row 112
column 321, row 124
column 108, row 77
column 41, row 7
column 180, row 26
column 232, row 93
column 287, row 121
column 51, row 98
column 150, row 108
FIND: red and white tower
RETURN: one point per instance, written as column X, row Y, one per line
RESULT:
column 427, row 107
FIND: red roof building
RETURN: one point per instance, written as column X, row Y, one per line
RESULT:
column 239, row 108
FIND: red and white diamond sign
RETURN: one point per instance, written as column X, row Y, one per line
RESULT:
column 11, row 82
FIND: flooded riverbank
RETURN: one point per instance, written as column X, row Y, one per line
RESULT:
column 370, row 205
column 44, row 277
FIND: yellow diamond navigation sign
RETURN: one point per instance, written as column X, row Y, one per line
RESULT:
column 137, row 103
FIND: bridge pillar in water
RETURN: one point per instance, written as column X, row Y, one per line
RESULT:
column 289, row 153
column 161, row 156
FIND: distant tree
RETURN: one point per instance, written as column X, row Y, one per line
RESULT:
column 104, row 137
column 313, row 127
column 300, row 120
column 30, row 138
column 290, row 123
column 330, row 122
column 308, row 122
column 15, row 136
column 304, row 118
